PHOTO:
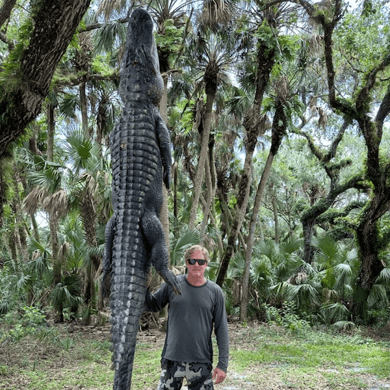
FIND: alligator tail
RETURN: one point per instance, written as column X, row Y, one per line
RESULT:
column 126, row 310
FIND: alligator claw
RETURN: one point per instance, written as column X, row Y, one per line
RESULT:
column 170, row 280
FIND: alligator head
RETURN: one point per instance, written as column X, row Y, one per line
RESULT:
column 140, row 69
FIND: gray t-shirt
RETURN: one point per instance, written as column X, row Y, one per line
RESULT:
column 191, row 317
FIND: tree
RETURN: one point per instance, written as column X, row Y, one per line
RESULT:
column 213, row 59
column 338, row 38
column 279, row 127
column 31, row 64
column 377, row 172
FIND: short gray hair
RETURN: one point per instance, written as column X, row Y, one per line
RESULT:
column 197, row 248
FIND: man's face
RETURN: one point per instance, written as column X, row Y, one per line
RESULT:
column 196, row 270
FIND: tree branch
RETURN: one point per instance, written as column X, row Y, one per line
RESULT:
column 95, row 26
column 337, row 140
column 5, row 40
column 384, row 110
column 5, row 11
column 371, row 78
column 83, row 78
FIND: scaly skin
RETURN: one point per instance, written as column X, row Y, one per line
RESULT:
column 141, row 161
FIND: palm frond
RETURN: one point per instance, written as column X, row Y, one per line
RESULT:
column 68, row 105
column 108, row 7
column 344, row 325
column 305, row 294
column 335, row 312
column 281, row 291
column 261, row 272
column 48, row 175
column 294, row 244
column 378, row 296
column 79, row 149
column 56, row 204
column 328, row 247
column 384, row 277
column 23, row 281
column 39, row 265
column 106, row 37
column 343, row 272
column 183, row 242
column 66, row 293
column 236, row 266
column 34, row 199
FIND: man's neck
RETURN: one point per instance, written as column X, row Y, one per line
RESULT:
column 196, row 281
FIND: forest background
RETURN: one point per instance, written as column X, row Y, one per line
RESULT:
column 278, row 113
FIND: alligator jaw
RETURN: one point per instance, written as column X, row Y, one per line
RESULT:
column 140, row 38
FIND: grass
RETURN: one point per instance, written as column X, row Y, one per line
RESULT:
column 303, row 359
column 261, row 356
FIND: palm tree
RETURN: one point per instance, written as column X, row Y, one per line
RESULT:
column 88, row 181
column 53, row 199
column 211, row 63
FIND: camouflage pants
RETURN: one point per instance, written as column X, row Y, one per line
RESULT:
column 198, row 375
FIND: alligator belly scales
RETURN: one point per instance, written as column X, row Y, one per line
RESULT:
column 141, row 161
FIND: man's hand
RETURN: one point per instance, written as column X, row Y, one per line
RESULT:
column 219, row 375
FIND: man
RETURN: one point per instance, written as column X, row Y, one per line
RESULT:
column 188, row 351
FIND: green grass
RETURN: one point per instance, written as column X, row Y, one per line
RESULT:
column 338, row 360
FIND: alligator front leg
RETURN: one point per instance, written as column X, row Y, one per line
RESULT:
column 165, row 149
column 107, row 257
column 154, row 233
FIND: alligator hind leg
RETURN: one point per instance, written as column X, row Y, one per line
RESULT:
column 154, row 234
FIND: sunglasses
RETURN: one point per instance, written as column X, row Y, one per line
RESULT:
column 199, row 261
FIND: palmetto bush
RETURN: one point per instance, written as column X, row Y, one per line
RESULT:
column 321, row 292
column 12, row 282
column 24, row 283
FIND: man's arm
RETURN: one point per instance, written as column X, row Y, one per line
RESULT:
column 221, row 332
column 157, row 301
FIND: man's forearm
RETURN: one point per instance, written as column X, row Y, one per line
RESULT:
column 154, row 302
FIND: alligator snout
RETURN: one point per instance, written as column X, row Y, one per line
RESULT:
column 141, row 28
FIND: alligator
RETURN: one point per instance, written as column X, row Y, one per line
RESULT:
column 141, row 163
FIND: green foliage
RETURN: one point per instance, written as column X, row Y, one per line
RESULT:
column 106, row 38
column 170, row 37
column 101, row 65
column 287, row 317
column 27, row 323
column 357, row 35
column 180, row 243
column 67, row 293
column 321, row 292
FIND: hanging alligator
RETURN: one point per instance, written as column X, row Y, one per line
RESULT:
column 141, row 162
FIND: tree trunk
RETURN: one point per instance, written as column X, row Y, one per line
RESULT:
column 209, row 199
column 55, row 23
column 200, row 170
column 35, row 227
column 88, row 216
column 3, row 189
column 279, row 127
column 308, row 229
column 252, row 124
column 56, row 260
column 367, row 237
column 50, row 132
column 164, row 215
column 175, row 170
column 19, row 226
column 84, row 109
column 12, row 238
column 275, row 211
